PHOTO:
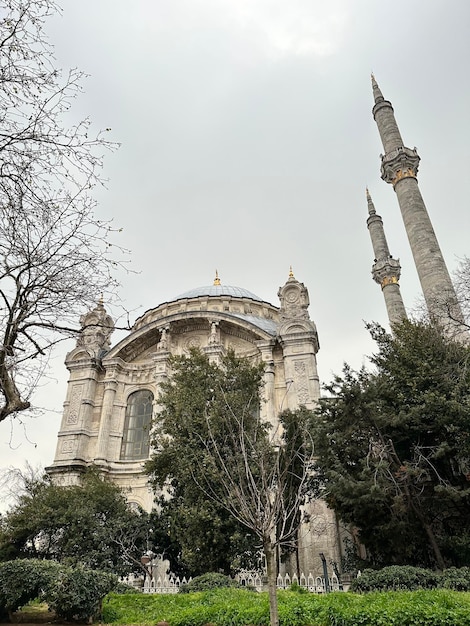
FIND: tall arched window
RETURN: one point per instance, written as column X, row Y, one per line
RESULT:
column 135, row 439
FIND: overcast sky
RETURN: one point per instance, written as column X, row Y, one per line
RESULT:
column 247, row 141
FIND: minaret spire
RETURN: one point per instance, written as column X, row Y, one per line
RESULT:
column 400, row 168
column 378, row 97
column 385, row 270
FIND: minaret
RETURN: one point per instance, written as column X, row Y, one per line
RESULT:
column 385, row 270
column 399, row 168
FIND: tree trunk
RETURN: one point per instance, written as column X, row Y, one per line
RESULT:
column 270, row 554
column 431, row 537
column 427, row 529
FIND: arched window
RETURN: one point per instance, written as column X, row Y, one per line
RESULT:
column 135, row 438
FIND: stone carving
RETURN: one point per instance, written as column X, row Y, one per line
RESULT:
column 214, row 337
column 294, row 300
column 162, row 345
column 192, row 342
column 74, row 406
column 97, row 327
column 68, row 446
column 301, row 382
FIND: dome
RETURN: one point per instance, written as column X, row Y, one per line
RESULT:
column 219, row 290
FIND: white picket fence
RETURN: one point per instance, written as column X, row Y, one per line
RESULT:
column 314, row 584
column 171, row 584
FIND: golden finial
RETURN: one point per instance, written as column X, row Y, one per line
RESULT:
column 291, row 273
column 216, row 279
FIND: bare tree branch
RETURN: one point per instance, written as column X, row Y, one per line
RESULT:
column 56, row 259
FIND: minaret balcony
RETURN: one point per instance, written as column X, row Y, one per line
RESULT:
column 386, row 271
column 399, row 163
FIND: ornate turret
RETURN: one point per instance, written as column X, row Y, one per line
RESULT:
column 299, row 339
column 385, row 270
column 97, row 327
column 400, row 168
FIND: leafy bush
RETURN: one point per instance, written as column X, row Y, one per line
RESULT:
column 456, row 578
column 78, row 593
column 297, row 588
column 212, row 580
column 396, row 578
column 24, row 580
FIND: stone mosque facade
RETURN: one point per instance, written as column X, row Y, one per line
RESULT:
column 112, row 392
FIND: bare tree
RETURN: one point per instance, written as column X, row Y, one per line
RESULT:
column 265, row 482
column 462, row 286
column 55, row 258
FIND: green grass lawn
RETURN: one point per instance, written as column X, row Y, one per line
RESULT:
column 238, row 607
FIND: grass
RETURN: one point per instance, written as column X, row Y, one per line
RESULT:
column 34, row 613
column 238, row 607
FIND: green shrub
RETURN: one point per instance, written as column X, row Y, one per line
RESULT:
column 212, row 580
column 23, row 580
column 77, row 594
column 456, row 578
column 297, row 588
column 396, row 578
column 237, row 607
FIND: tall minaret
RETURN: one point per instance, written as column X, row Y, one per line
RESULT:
column 385, row 270
column 399, row 168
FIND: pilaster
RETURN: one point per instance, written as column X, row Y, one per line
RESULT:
column 110, row 387
column 266, row 349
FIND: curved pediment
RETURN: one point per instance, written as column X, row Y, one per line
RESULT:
column 180, row 331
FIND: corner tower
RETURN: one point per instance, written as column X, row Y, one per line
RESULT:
column 385, row 270
column 400, row 168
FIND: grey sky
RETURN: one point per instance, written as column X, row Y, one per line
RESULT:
column 247, row 143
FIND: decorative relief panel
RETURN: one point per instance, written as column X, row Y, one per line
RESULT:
column 301, row 382
column 74, row 406
column 192, row 342
column 68, row 446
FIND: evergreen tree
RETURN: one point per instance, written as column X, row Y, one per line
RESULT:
column 91, row 524
column 201, row 535
column 393, row 448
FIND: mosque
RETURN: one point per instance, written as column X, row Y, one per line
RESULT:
column 113, row 390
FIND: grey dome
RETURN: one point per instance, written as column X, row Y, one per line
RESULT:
column 219, row 290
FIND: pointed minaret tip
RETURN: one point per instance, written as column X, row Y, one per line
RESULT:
column 216, row 279
column 378, row 97
column 370, row 204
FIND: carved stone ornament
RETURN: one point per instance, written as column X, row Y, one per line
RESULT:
column 294, row 300
column 74, row 407
column 163, row 344
column 68, row 446
column 97, row 327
